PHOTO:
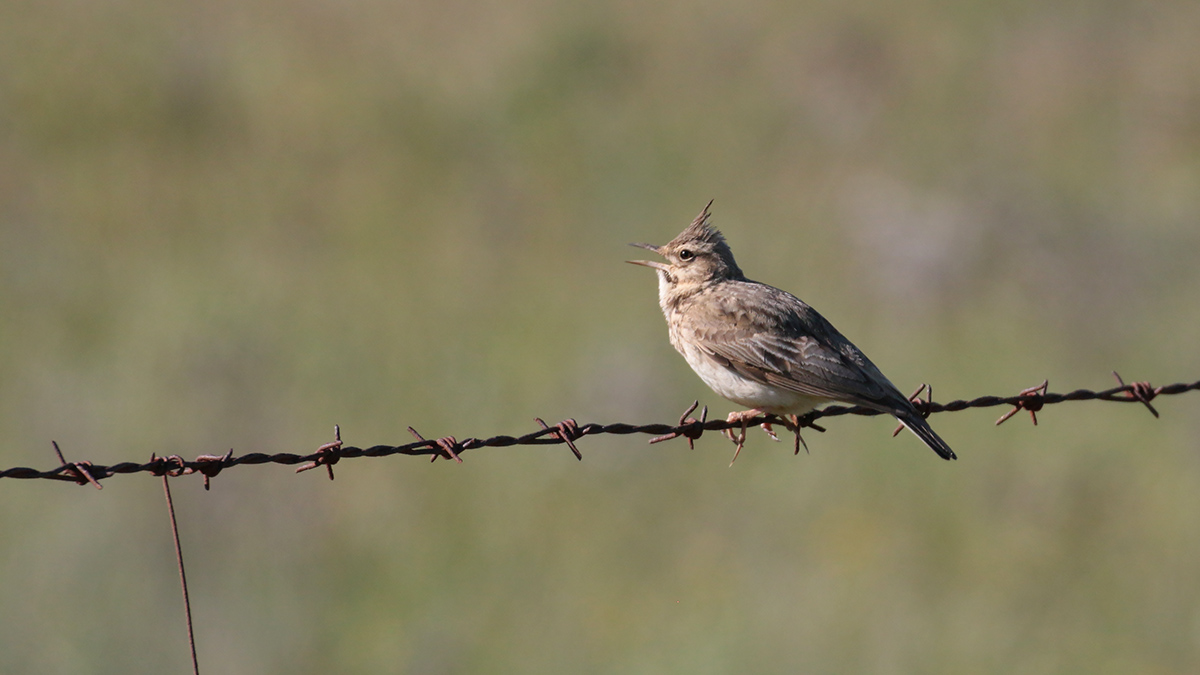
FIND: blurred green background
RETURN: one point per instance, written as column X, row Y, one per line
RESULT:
column 235, row 224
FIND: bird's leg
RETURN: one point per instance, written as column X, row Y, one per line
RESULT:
column 740, row 416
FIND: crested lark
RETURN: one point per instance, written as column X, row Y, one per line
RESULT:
column 762, row 347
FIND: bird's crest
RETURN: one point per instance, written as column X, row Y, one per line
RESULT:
column 701, row 230
column 702, row 237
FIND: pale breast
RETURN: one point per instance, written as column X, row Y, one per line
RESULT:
column 742, row 390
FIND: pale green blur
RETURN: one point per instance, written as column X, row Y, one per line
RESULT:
column 236, row 224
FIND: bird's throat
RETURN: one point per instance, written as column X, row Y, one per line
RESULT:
column 673, row 295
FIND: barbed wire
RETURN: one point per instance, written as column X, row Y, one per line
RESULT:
column 569, row 431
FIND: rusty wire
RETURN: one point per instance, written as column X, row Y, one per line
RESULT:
column 569, row 431
column 187, row 601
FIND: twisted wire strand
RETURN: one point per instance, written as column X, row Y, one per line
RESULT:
column 566, row 433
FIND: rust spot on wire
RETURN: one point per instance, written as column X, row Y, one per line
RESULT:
column 211, row 465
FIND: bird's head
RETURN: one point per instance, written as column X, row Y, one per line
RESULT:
column 697, row 256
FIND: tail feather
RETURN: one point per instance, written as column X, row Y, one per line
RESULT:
column 923, row 431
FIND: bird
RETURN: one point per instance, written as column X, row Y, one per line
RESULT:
column 762, row 347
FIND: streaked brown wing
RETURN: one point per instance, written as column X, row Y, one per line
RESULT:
column 788, row 344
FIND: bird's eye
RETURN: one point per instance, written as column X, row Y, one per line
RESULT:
column 685, row 254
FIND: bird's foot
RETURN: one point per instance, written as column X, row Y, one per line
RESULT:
column 793, row 425
column 766, row 426
column 741, row 417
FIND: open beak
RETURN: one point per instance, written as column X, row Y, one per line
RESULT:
column 647, row 263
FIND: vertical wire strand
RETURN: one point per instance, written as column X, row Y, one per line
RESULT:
column 187, row 603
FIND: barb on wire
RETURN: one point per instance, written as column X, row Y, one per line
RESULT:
column 921, row 406
column 326, row 455
column 569, row 431
column 1031, row 399
column 1142, row 392
column 689, row 427
column 446, row 446
column 79, row 470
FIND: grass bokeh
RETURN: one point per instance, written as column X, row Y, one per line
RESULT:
column 237, row 224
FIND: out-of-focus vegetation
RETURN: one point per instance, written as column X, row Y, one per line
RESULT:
column 235, row 224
